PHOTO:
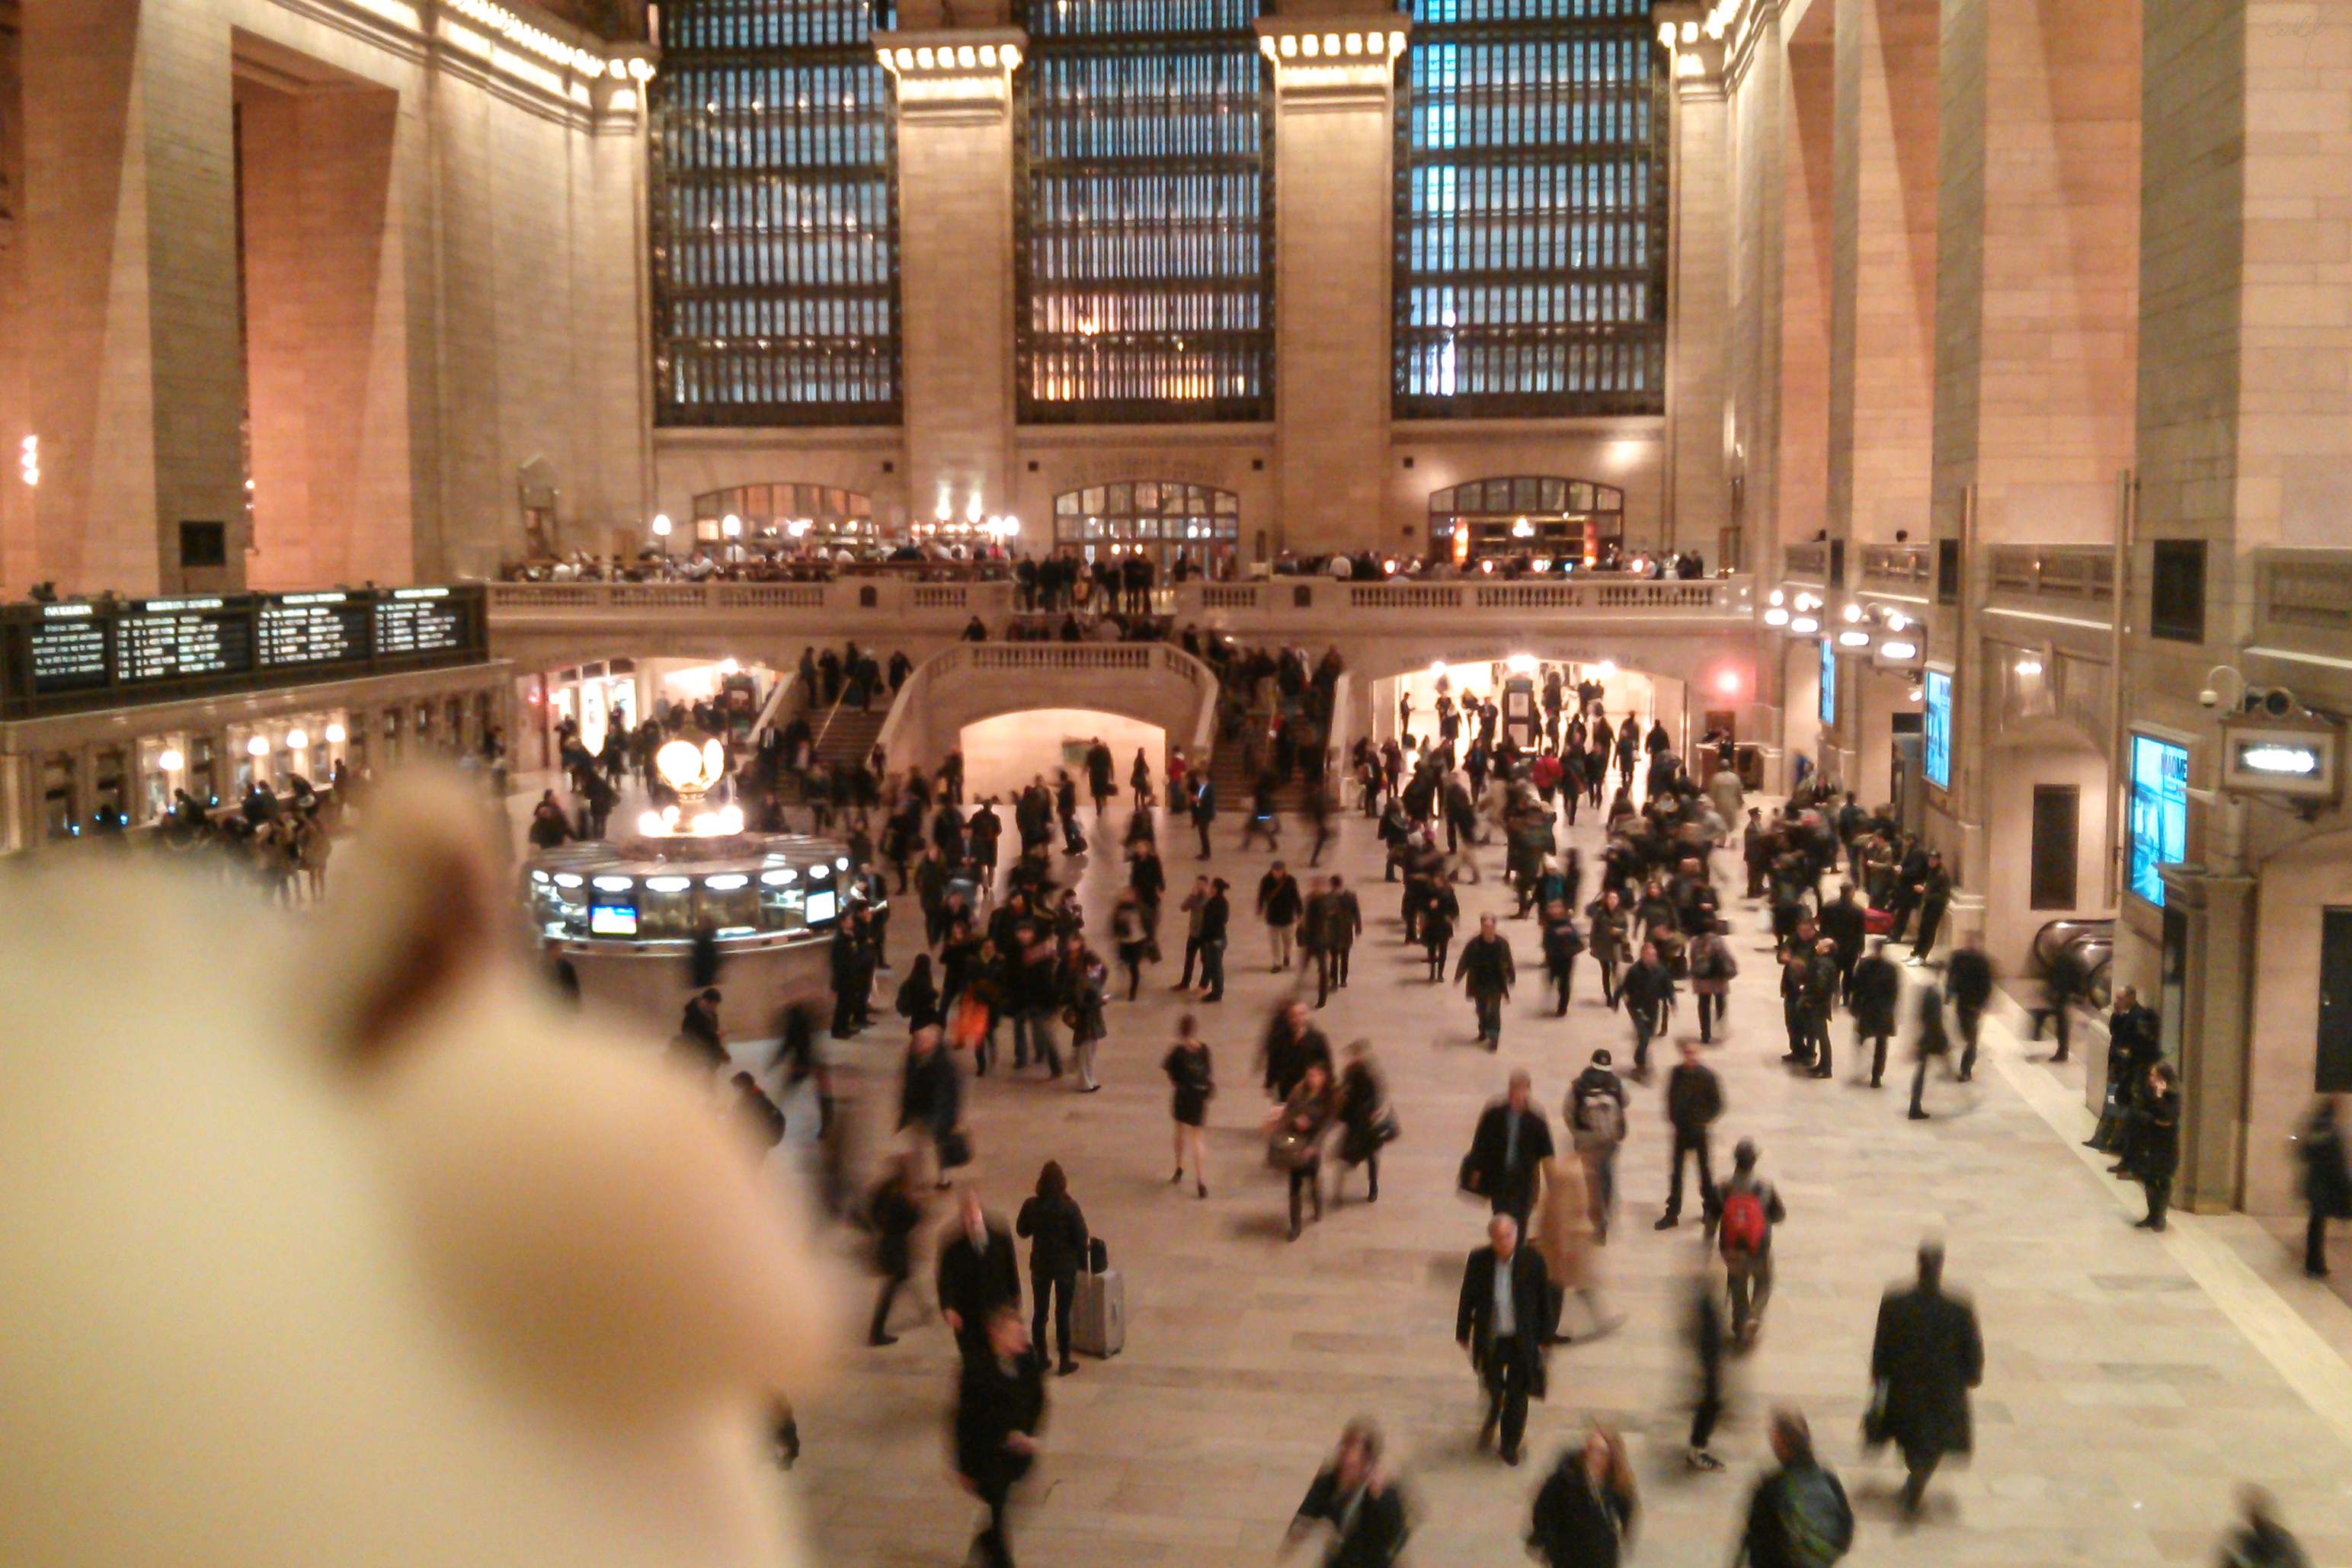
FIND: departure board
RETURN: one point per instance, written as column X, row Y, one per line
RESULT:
column 68, row 655
column 176, row 640
column 313, row 628
column 419, row 620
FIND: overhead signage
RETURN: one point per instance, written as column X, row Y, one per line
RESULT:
column 2293, row 760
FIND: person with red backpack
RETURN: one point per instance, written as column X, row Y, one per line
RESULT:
column 1748, row 1209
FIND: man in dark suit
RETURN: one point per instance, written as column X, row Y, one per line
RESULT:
column 977, row 1275
column 1001, row 1403
column 1507, row 1151
column 1926, row 1356
column 1503, row 1322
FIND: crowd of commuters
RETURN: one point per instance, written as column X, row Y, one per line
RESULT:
column 1005, row 942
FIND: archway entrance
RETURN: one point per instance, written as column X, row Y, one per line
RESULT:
column 1001, row 754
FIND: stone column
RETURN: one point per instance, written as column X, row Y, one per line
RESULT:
column 1334, row 207
column 1697, row 502
column 1882, row 287
column 955, row 264
column 135, row 386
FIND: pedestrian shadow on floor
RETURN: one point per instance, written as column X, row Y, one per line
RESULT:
column 1260, row 1226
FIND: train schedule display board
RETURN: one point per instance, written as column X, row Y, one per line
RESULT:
column 66, row 650
column 83, row 653
column 413, row 622
column 169, row 640
column 308, row 630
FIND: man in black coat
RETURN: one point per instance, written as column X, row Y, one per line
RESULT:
column 1503, row 1321
column 1968, row 981
column 1877, row 991
column 1485, row 970
column 1507, row 1151
column 1925, row 1357
column 1293, row 1044
column 1694, row 1099
column 1000, row 1405
column 977, row 1275
column 1362, row 1505
column 1933, row 890
column 1841, row 921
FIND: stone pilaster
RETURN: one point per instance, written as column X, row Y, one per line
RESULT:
column 955, row 264
column 135, row 387
column 1335, row 205
column 1883, row 294
column 1699, row 306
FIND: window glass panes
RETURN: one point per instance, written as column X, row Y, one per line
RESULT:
column 1145, row 240
column 773, row 215
column 1163, row 522
column 1531, row 210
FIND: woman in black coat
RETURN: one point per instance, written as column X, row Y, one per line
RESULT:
column 1192, row 1078
column 896, row 1211
column 1365, row 1122
column 918, row 997
column 1584, row 1514
column 1057, row 1249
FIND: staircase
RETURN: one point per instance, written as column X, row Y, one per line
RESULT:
column 849, row 735
column 1237, row 787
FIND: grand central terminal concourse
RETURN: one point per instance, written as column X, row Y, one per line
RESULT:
column 1173, row 783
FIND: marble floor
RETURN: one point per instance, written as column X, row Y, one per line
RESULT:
column 2131, row 1381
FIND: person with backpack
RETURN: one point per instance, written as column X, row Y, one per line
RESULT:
column 1746, row 1211
column 1584, row 1513
column 1648, row 992
column 1924, row 1358
column 1595, row 1115
column 1798, row 1516
column 1712, row 969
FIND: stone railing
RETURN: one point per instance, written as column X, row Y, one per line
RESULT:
column 847, row 597
column 1897, row 566
column 2083, row 573
column 1309, row 606
column 955, row 673
column 2309, row 590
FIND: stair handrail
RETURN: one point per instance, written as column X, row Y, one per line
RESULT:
column 772, row 709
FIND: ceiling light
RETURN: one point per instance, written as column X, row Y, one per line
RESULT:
column 1854, row 639
column 1900, row 652
column 1776, row 616
column 1804, row 625
column 2029, row 664
column 1854, row 612
column 1776, row 597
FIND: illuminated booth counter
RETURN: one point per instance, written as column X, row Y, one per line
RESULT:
column 625, row 916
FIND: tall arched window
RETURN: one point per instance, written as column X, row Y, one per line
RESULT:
column 1525, row 515
column 1162, row 519
column 1531, row 210
column 774, row 216
column 1146, row 239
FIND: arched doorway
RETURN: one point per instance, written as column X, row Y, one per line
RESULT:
column 786, row 513
column 1163, row 521
column 1547, row 516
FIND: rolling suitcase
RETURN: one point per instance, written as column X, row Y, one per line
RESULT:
column 1098, row 1315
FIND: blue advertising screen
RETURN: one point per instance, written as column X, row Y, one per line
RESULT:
column 1937, row 745
column 2159, row 813
column 1829, row 682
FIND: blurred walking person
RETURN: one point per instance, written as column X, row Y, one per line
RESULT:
column 1191, row 1078
column 1585, row 1512
column 1926, row 1356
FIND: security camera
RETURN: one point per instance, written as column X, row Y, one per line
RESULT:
column 2209, row 698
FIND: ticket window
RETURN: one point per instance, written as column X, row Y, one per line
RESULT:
column 422, row 729
column 204, row 769
column 391, row 736
column 57, row 812
column 355, row 744
column 109, row 798
column 163, row 768
column 453, row 735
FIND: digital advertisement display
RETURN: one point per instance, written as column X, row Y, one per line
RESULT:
column 1829, row 682
column 2159, row 813
column 1936, row 747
